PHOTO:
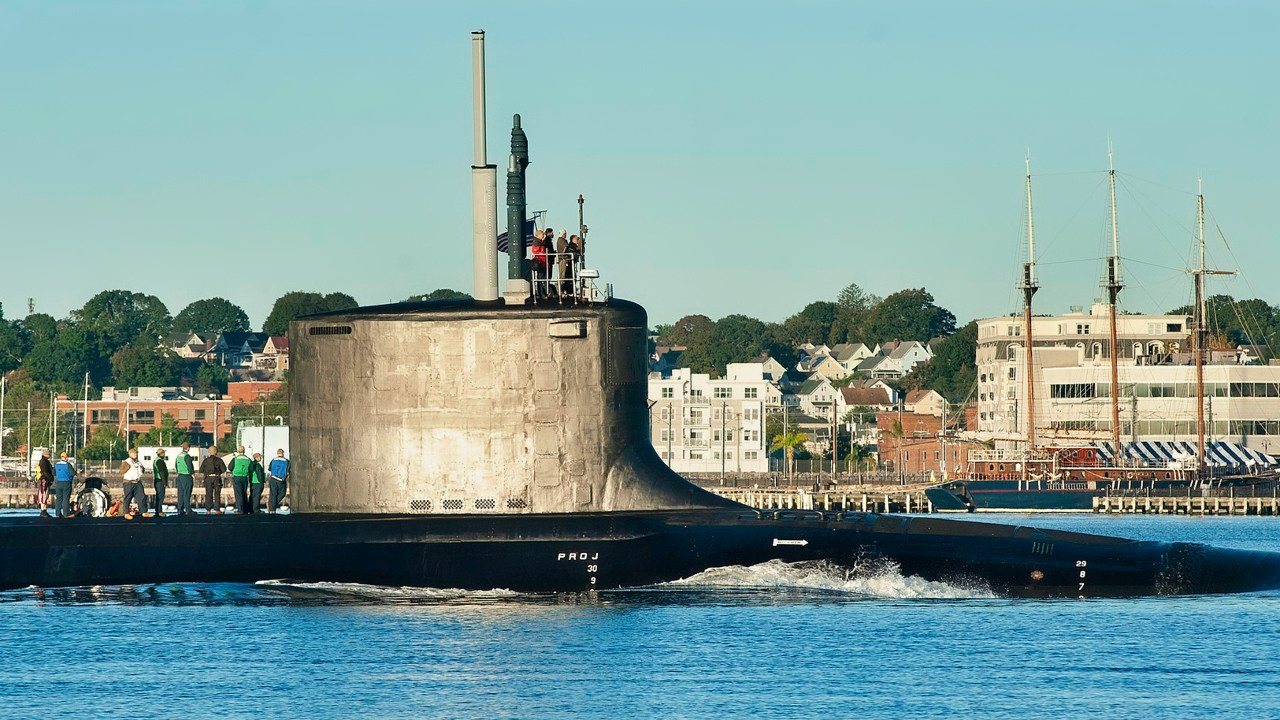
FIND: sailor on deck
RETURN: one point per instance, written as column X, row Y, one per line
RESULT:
column 63, row 473
column 277, row 476
column 239, row 467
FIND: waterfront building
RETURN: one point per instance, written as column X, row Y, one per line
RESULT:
column 704, row 425
column 1156, row 374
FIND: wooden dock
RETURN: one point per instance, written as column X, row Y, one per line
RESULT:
column 897, row 500
column 1214, row 505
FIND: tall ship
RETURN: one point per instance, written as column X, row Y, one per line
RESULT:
column 502, row 441
column 1087, row 404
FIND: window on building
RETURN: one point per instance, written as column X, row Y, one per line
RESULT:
column 696, row 392
column 1082, row 329
column 200, row 414
column 665, row 413
column 696, row 417
column 668, row 393
column 1174, row 327
column 142, row 417
column 749, row 455
column 750, row 393
column 722, row 393
column 695, row 456
column 1097, row 351
column 105, row 416
column 664, row 435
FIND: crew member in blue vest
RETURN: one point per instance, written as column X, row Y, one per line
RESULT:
column 64, row 471
column 239, row 467
column 185, row 468
column 278, row 475
column 160, row 479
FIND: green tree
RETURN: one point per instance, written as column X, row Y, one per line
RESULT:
column 142, row 364
column 119, row 317
column 906, row 315
column 37, row 327
column 210, row 379
column 687, row 330
column 812, row 324
column 441, row 294
column 106, row 443
column 953, row 371
column 61, row 362
column 13, row 345
column 1239, row 322
column 166, row 434
column 788, row 443
column 733, row 338
column 861, row 456
column 213, row 315
column 852, row 305
column 295, row 304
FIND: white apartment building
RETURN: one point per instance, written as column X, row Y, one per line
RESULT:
column 701, row 425
column 1072, row 383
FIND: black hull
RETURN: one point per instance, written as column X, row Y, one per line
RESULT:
column 597, row 551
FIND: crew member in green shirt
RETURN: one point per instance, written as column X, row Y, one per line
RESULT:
column 185, row 468
column 239, row 466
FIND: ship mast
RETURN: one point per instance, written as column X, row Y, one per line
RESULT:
column 1113, row 290
column 1029, row 288
column 1202, row 332
column 1201, row 336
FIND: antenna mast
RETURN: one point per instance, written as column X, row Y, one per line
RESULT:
column 1113, row 291
column 1029, row 288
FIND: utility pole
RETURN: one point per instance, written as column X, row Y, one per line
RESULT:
column 723, row 407
column 942, row 441
column 262, row 425
column 28, row 439
column 84, row 440
column 53, row 424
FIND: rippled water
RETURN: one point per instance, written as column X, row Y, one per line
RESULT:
column 772, row 640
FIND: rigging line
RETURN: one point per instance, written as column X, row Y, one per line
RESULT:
column 1068, row 172
column 1128, row 259
column 1150, row 219
column 1050, row 239
column 1252, row 336
column 1067, row 262
column 1157, row 184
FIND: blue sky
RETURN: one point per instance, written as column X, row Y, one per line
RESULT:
column 735, row 156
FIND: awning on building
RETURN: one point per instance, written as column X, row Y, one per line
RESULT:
column 1219, row 453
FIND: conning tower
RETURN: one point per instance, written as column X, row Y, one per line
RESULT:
column 494, row 405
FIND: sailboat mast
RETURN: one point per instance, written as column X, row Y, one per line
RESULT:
column 1202, row 332
column 1029, row 288
column 1113, row 291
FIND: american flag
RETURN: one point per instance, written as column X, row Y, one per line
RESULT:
column 528, row 236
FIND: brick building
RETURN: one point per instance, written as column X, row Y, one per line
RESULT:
column 921, row 446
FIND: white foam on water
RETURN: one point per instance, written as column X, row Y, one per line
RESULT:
column 379, row 592
column 878, row 580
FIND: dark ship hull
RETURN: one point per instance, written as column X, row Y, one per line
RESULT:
column 598, row 551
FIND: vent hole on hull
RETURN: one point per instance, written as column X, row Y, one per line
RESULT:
column 330, row 330
column 485, row 504
column 517, row 504
column 451, row 505
column 420, row 505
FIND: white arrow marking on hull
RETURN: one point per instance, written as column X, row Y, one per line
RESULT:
column 777, row 542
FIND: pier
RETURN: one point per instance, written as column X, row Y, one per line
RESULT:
column 852, row 499
column 1213, row 505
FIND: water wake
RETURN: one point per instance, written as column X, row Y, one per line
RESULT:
column 379, row 592
column 881, row 579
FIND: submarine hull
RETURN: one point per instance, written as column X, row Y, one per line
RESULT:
column 598, row 551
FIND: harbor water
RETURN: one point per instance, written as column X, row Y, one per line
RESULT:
column 775, row 640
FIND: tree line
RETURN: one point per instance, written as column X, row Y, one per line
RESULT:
column 854, row 316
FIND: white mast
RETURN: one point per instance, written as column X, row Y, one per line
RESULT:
column 484, row 187
column 1113, row 291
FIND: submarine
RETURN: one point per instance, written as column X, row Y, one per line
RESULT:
column 502, row 442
